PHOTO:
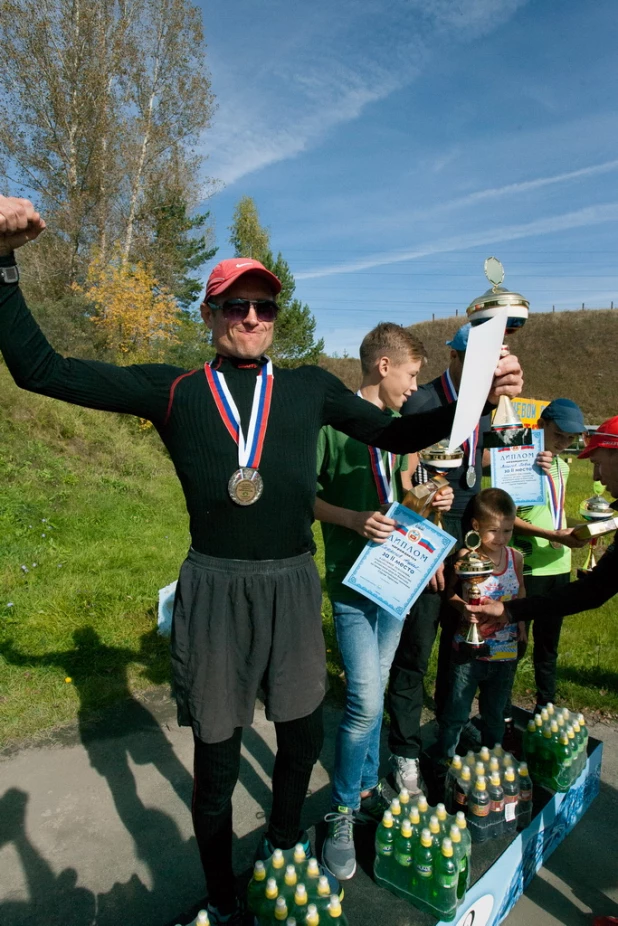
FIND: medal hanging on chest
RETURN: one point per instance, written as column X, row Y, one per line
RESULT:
column 246, row 485
column 556, row 501
column 470, row 445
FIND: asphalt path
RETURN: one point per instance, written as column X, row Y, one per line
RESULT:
column 95, row 828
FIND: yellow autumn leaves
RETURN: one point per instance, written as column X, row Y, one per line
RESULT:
column 136, row 316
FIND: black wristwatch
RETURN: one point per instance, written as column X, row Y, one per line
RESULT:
column 9, row 275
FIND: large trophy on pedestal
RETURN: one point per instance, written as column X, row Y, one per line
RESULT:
column 506, row 429
column 473, row 567
column 600, row 519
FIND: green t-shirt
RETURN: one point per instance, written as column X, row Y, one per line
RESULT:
column 345, row 479
column 540, row 558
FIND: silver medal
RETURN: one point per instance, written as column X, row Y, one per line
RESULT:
column 471, row 477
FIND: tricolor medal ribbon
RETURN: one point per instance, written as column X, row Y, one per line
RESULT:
column 245, row 485
column 556, row 500
column 382, row 472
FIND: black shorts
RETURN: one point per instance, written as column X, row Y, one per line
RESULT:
column 240, row 625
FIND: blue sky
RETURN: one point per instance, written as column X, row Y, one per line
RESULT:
column 392, row 145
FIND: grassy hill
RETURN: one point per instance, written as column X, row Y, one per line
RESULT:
column 563, row 354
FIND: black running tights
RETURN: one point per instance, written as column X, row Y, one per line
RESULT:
column 216, row 769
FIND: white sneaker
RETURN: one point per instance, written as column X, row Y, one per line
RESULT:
column 407, row 774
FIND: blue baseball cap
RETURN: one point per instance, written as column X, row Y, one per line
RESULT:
column 460, row 339
column 567, row 415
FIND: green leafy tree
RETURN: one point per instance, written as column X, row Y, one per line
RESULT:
column 294, row 342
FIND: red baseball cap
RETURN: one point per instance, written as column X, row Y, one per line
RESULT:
column 227, row 271
column 606, row 435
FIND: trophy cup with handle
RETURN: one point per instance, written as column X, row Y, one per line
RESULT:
column 594, row 510
column 506, row 428
column 438, row 461
column 473, row 567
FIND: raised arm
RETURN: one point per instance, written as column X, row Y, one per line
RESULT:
column 139, row 390
column 363, row 421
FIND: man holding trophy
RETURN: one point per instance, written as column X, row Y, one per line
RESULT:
column 248, row 603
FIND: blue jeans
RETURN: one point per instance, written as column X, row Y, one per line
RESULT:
column 367, row 636
column 494, row 680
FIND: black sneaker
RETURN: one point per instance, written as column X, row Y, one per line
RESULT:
column 372, row 807
column 338, row 851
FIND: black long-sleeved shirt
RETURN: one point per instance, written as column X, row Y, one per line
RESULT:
column 585, row 594
column 181, row 407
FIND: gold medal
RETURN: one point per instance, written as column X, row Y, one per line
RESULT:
column 245, row 486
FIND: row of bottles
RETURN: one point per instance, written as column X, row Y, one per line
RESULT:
column 289, row 886
column 556, row 747
column 423, row 855
column 493, row 792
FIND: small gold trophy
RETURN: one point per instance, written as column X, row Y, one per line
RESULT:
column 599, row 517
column 420, row 497
column 438, row 460
column 506, row 429
column 473, row 567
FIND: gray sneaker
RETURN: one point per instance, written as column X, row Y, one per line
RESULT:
column 338, row 852
column 407, row 774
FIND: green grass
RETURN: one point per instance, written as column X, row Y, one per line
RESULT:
column 93, row 500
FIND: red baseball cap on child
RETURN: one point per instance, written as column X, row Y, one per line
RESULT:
column 606, row 435
column 227, row 271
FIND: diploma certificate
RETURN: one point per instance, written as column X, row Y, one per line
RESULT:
column 514, row 470
column 394, row 573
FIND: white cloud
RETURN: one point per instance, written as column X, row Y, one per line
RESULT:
column 279, row 96
column 591, row 215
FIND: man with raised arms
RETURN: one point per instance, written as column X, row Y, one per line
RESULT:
column 242, row 436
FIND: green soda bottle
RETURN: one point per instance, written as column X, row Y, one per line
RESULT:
column 257, row 884
column 529, row 744
column 584, row 729
column 334, row 913
column 442, row 816
column 313, row 917
column 445, row 881
column 404, row 801
column 202, row 919
column 385, row 839
column 579, row 742
column 462, row 824
column 269, row 900
column 281, row 910
column 402, row 853
column 300, row 903
column 546, row 765
column 524, row 805
column 551, row 710
column 434, row 829
column 423, row 866
column 562, row 779
column 423, row 809
column 323, row 894
column 574, row 751
column 290, row 881
column 291, row 921
column 415, row 821
column 312, row 873
column 510, row 786
column 300, row 860
column 395, row 809
column 276, row 866
column 461, row 860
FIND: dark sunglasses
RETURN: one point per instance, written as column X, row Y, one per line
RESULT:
column 236, row 310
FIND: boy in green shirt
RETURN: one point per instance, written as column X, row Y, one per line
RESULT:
column 355, row 484
column 545, row 541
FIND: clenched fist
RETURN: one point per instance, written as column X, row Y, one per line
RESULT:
column 19, row 223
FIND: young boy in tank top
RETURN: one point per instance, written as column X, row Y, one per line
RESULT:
column 489, row 668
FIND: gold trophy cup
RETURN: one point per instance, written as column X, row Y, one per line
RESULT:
column 506, row 428
column 438, row 460
column 594, row 510
column 473, row 567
